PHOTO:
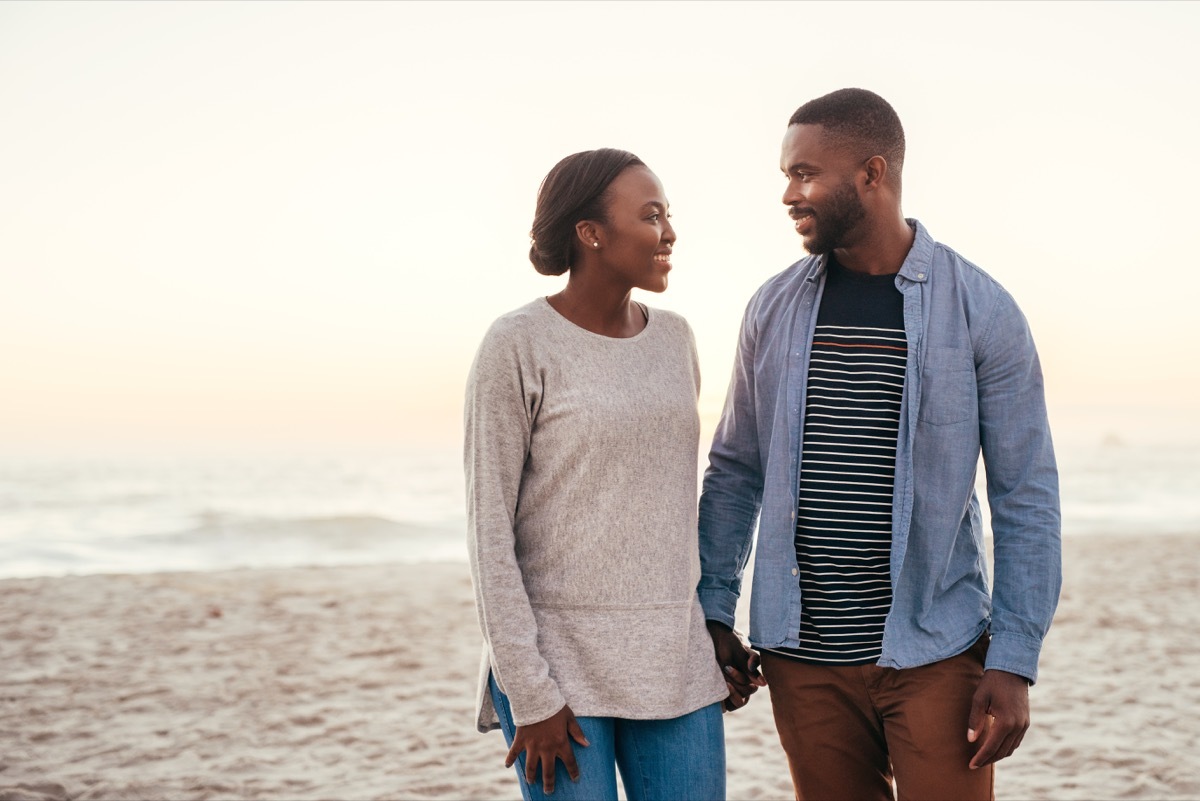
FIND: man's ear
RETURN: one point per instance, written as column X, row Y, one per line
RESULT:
column 875, row 170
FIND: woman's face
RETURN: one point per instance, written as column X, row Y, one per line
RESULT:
column 636, row 242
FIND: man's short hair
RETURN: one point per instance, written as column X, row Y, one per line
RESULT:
column 859, row 121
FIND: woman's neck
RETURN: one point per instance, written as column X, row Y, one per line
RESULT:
column 605, row 310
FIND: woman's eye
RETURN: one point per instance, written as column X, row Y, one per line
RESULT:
column 654, row 216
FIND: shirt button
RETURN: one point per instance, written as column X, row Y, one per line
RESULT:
column 795, row 571
column 920, row 275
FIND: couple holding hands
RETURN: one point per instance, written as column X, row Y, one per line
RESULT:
column 868, row 379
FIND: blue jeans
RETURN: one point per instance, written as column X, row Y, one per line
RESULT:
column 680, row 759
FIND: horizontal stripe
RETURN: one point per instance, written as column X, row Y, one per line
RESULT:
column 856, row 417
column 856, row 530
column 808, row 479
column 878, row 390
column 877, row 377
column 819, row 447
column 843, row 537
column 868, row 561
column 888, row 414
column 891, row 373
column 821, row 598
column 899, row 332
column 878, row 553
column 853, row 625
column 830, row 425
column 809, row 491
column 817, row 471
column 821, row 365
column 868, row 616
column 848, row 389
column 851, row 358
column 901, row 348
column 888, row 467
column 853, row 531
column 860, row 595
column 818, row 607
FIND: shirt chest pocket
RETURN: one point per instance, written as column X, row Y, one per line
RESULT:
column 947, row 386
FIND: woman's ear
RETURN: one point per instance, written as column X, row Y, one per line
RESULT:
column 588, row 234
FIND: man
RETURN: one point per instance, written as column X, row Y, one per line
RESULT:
column 868, row 379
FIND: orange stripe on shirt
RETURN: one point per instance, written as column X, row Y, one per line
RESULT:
column 841, row 345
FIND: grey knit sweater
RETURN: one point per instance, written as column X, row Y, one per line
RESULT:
column 580, row 458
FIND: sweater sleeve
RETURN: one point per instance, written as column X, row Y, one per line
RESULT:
column 498, row 414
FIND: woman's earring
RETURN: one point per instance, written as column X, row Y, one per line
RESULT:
column 595, row 244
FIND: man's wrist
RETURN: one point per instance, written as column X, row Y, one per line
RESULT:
column 1025, row 679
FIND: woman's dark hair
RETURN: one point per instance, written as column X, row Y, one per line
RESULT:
column 575, row 189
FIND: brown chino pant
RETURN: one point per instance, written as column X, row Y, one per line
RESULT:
column 848, row 730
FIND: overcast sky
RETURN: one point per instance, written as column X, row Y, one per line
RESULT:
column 283, row 222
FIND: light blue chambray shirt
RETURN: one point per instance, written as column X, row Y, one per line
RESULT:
column 973, row 383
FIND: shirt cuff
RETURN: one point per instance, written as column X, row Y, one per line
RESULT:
column 533, row 705
column 1014, row 653
column 718, row 604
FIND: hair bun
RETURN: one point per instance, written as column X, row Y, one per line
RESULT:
column 542, row 263
column 575, row 189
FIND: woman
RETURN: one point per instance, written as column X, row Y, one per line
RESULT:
column 580, row 459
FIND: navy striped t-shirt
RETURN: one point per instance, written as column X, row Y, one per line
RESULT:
column 848, row 465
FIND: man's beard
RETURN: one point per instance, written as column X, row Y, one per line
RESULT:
column 835, row 219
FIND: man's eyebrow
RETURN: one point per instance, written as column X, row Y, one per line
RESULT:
column 801, row 166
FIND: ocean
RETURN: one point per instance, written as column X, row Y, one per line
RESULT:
column 135, row 514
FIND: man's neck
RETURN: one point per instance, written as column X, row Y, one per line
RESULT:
column 882, row 249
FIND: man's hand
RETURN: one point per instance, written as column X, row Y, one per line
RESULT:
column 738, row 663
column 1005, row 698
column 545, row 742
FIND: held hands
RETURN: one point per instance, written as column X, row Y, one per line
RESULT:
column 543, row 743
column 738, row 663
column 1004, row 697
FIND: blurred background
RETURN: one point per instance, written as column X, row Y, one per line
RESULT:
column 248, row 250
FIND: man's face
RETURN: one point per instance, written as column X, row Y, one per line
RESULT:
column 821, row 195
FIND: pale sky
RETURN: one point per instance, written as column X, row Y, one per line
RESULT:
column 283, row 222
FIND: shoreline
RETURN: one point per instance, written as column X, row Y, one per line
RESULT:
column 444, row 561
column 357, row 682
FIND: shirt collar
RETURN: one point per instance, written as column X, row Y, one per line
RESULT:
column 917, row 263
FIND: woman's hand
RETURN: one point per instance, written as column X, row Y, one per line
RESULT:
column 738, row 663
column 545, row 742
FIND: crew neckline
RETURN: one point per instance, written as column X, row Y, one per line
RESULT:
column 650, row 317
column 836, row 267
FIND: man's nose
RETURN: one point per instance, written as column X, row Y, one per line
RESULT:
column 794, row 194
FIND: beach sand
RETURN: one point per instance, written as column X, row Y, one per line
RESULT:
column 357, row 683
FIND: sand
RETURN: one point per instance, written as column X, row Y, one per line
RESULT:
column 356, row 683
